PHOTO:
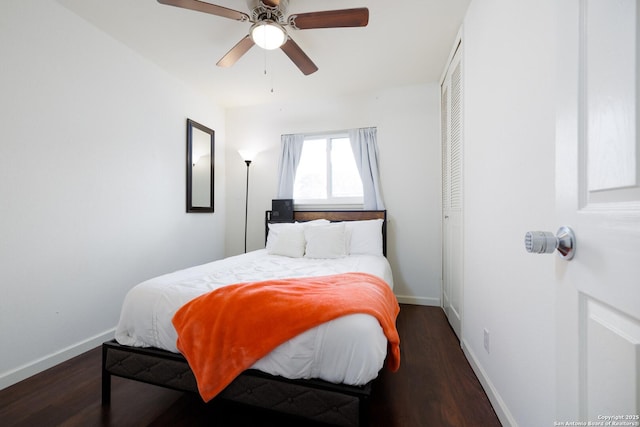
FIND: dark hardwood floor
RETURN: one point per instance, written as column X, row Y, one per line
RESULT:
column 435, row 386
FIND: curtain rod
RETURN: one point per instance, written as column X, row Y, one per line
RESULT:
column 331, row 132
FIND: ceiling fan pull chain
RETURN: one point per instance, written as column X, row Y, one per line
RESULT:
column 268, row 74
column 272, row 91
column 265, row 62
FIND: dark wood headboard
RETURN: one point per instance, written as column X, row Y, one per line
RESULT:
column 335, row 216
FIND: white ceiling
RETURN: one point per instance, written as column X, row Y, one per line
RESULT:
column 406, row 42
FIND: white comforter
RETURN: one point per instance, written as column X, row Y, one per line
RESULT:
column 349, row 350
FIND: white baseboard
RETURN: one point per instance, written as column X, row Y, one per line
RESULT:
column 404, row 299
column 27, row 370
column 502, row 411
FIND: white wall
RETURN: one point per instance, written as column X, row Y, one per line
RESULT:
column 92, row 183
column 510, row 189
column 409, row 146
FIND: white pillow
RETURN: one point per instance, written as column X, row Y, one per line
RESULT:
column 286, row 239
column 365, row 237
column 314, row 222
column 326, row 241
column 276, row 227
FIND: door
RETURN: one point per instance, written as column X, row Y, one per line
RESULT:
column 452, row 146
column 598, row 195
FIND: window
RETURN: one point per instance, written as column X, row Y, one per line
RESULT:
column 327, row 173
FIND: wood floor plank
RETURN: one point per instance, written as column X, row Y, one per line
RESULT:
column 435, row 386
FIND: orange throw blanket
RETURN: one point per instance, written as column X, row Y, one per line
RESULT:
column 224, row 332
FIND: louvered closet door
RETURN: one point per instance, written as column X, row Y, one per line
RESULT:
column 451, row 128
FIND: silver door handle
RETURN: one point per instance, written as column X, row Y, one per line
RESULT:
column 545, row 242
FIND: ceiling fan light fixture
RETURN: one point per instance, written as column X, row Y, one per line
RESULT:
column 268, row 34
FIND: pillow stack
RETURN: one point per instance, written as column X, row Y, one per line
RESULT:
column 324, row 239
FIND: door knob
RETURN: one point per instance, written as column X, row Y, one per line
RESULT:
column 545, row 242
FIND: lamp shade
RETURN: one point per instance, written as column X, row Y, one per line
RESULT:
column 247, row 154
column 268, row 34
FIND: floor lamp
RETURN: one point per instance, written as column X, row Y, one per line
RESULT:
column 247, row 159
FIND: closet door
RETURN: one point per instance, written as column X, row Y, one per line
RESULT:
column 452, row 146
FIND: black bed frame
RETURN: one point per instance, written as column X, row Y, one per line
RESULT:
column 337, row 404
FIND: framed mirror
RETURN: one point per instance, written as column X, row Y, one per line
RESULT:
column 200, row 167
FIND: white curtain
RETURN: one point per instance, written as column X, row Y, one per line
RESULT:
column 365, row 150
column 289, row 160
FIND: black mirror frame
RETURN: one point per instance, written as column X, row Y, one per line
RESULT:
column 190, row 125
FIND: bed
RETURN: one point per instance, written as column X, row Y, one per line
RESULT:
column 324, row 374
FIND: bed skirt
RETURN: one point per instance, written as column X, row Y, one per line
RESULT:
column 337, row 404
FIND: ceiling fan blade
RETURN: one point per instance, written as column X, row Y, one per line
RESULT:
column 302, row 61
column 271, row 3
column 236, row 52
column 213, row 9
column 358, row 17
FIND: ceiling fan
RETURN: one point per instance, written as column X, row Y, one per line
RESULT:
column 268, row 26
